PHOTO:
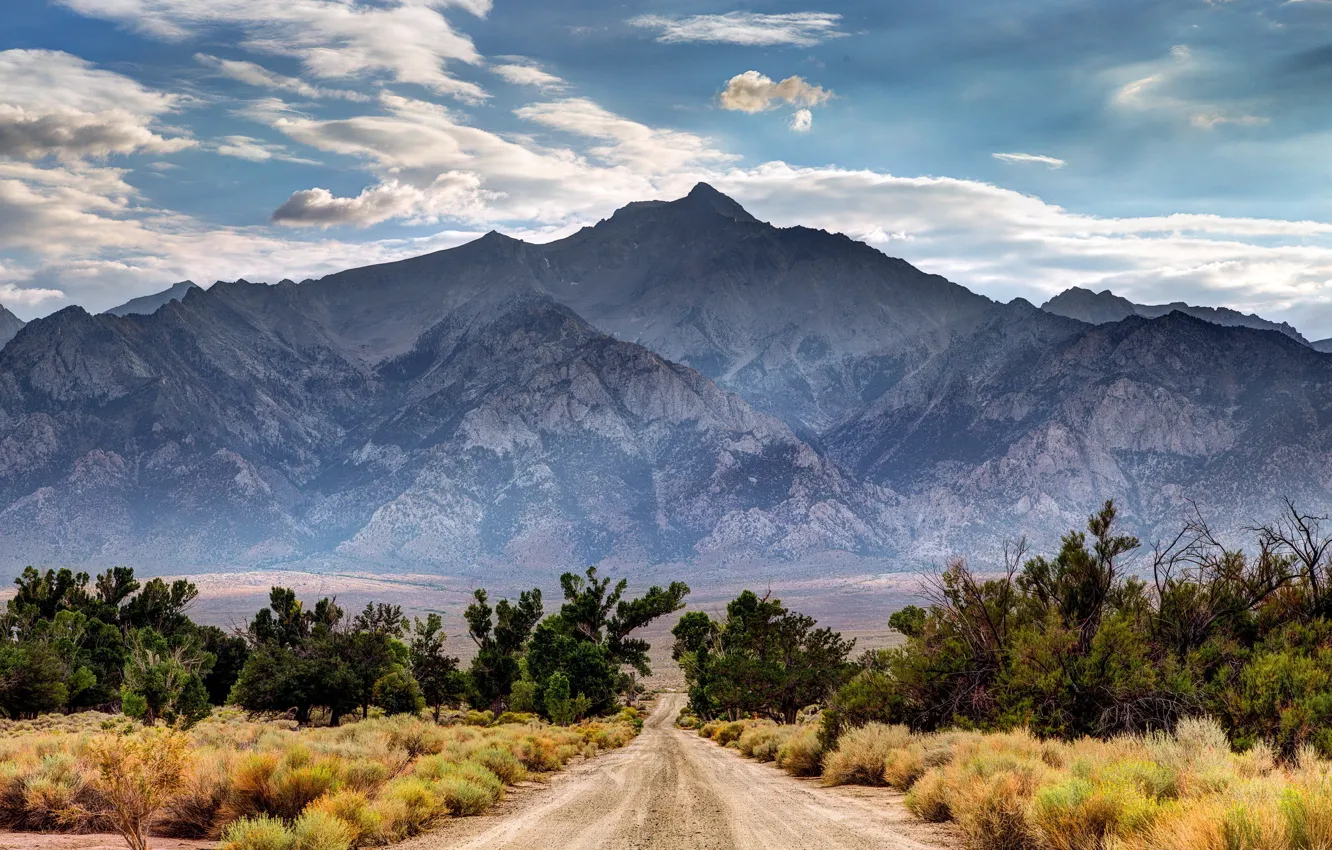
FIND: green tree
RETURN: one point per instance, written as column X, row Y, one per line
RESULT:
column 762, row 659
column 162, row 682
column 437, row 672
column 500, row 635
column 398, row 693
column 32, row 679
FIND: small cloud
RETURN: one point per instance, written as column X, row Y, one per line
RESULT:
column 257, row 75
column 27, row 296
column 525, row 72
column 256, row 150
column 1030, row 159
column 745, row 28
column 753, row 92
column 802, row 120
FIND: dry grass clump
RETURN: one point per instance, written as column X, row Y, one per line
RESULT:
column 795, row 749
column 260, row 785
column 865, row 756
column 1012, row 791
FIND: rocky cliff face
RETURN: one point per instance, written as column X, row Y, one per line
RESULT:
column 680, row 382
column 249, row 424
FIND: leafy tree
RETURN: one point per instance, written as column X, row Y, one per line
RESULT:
column 561, row 708
column 589, row 641
column 297, row 660
column 32, row 679
column 762, row 659
column 436, row 672
column 500, row 635
column 398, row 693
column 163, row 682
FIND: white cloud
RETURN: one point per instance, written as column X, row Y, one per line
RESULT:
column 335, row 39
column 746, row 28
column 753, row 92
column 801, row 121
column 257, row 150
column 433, row 166
column 12, row 295
column 257, row 75
column 647, row 150
column 527, row 73
column 449, row 195
column 1030, row 159
column 58, row 105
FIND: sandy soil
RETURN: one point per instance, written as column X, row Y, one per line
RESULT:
column 672, row 790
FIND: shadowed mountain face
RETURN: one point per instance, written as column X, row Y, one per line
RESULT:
column 1098, row 308
column 148, row 304
column 680, row 382
column 9, row 326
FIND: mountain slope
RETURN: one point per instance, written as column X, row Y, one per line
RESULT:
column 147, row 304
column 805, row 324
column 1151, row 413
column 10, row 325
column 249, row 423
column 1098, row 308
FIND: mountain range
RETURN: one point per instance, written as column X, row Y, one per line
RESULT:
column 680, row 382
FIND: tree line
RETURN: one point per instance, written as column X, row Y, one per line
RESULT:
column 70, row 642
column 1087, row 641
column 1078, row 644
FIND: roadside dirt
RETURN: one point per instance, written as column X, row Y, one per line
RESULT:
column 672, row 789
column 33, row 841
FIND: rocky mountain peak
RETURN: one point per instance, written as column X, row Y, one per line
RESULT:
column 10, row 325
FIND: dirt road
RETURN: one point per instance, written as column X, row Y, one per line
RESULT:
column 672, row 789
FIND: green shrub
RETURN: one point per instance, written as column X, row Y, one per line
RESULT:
column 256, row 833
column 319, row 830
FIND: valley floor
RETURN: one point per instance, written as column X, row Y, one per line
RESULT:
column 671, row 789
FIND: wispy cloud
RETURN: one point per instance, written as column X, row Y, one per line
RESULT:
column 746, row 28
column 525, row 72
column 801, row 121
column 1030, row 159
column 257, row 75
column 409, row 40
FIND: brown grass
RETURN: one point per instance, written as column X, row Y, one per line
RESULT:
column 252, row 783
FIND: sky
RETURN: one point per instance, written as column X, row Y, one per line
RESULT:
column 1163, row 149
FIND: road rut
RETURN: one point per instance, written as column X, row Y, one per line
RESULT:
column 673, row 789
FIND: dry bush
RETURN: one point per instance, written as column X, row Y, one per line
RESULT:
column 261, row 784
column 136, row 776
column 801, row 754
column 863, row 754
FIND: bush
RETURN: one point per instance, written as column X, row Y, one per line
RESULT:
column 318, row 830
column 136, row 776
column 256, row 833
column 862, row 755
column 292, row 790
column 802, row 753
column 729, row 733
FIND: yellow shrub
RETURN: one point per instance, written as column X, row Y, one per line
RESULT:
column 316, row 830
column 801, row 754
column 862, row 755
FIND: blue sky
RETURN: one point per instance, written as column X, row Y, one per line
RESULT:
column 1166, row 150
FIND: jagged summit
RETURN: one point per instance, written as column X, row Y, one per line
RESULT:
column 1100, row 308
column 703, row 195
column 148, row 304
